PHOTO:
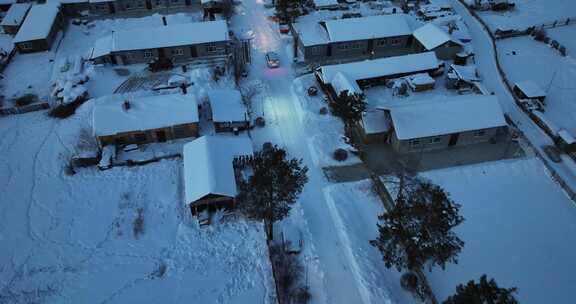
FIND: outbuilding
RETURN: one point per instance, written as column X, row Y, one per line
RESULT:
column 15, row 17
column 375, row 126
column 430, row 37
column 529, row 90
column 228, row 111
column 212, row 167
column 440, row 124
column 39, row 29
column 122, row 120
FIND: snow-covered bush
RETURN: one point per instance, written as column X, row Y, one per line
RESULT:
column 340, row 154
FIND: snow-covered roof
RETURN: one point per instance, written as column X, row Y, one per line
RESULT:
column 145, row 113
column 208, row 165
column 15, row 14
column 375, row 121
column 311, row 33
column 4, row 2
column 566, row 136
column 341, row 83
column 38, row 23
column 371, row 27
column 102, row 47
column 431, row 36
column 530, row 89
column 465, row 72
column 446, row 116
column 163, row 36
column 383, row 67
column 100, row 1
column 325, row 3
column 226, row 105
column 421, row 79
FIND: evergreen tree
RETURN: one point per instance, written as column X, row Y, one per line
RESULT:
column 348, row 107
column 419, row 229
column 273, row 187
column 484, row 292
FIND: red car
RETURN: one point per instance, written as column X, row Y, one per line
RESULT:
column 284, row 28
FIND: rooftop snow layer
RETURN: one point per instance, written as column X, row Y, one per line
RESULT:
column 163, row 36
column 383, row 67
column 16, row 14
column 375, row 121
column 38, row 23
column 226, row 105
column 325, row 3
column 372, row 27
column 208, row 165
column 530, row 89
column 341, row 83
column 311, row 33
column 431, row 36
column 145, row 113
column 446, row 116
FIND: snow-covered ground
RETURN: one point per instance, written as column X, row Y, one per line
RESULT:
column 565, row 36
column 519, row 228
column 118, row 236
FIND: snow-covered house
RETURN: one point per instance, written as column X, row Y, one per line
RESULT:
column 211, row 168
column 354, row 38
column 326, row 4
column 366, row 72
column 529, row 90
column 430, row 37
column 39, row 28
column 228, row 111
column 179, row 43
column 15, row 17
column 108, row 7
column 375, row 126
column 439, row 124
column 121, row 120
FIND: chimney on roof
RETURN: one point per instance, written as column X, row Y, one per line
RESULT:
column 126, row 105
column 164, row 21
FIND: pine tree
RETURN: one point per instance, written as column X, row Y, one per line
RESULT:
column 418, row 231
column 484, row 292
column 348, row 107
column 273, row 187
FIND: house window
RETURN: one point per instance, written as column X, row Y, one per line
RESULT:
column 181, row 131
column 211, row 48
column 435, row 140
column 415, row 143
column 140, row 137
column 148, row 54
column 396, row 41
column 177, row 52
column 26, row 45
column 381, row 42
column 480, row 133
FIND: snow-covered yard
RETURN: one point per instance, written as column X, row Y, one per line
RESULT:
column 519, row 228
column 524, row 59
column 118, row 236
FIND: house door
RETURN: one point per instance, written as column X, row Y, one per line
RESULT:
column 193, row 52
column 329, row 51
column 149, row 4
column 161, row 53
column 453, row 139
column 161, row 136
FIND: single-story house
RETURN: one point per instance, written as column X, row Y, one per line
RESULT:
column 15, row 17
column 326, row 4
column 212, row 166
column 353, row 38
column 439, row 124
column 367, row 72
column 375, row 126
column 122, row 120
column 39, row 29
column 432, row 38
column 178, row 42
column 529, row 90
column 228, row 111
column 109, row 7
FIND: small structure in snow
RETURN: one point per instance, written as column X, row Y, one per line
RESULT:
column 15, row 17
column 421, row 82
column 566, row 141
column 432, row 38
column 212, row 166
column 39, row 28
column 461, row 77
column 530, row 94
column 121, row 121
column 228, row 111
column 375, row 126
column 438, row 124
column 326, row 4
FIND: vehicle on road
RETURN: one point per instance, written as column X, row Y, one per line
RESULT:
column 272, row 60
column 284, row 28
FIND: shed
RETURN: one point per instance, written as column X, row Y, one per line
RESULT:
column 123, row 120
column 529, row 90
column 210, row 170
column 436, row 124
column 421, row 82
column 15, row 17
column 430, row 37
column 375, row 126
column 39, row 28
column 228, row 111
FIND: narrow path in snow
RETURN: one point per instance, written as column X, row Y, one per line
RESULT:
column 486, row 61
column 340, row 277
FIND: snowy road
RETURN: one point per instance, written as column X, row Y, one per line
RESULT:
column 487, row 66
column 338, row 279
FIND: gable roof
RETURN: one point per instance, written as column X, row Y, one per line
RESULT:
column 530, row 89
column 38, row 23
column 446, row 116
column 208, row 167
column 226, row 105
column 145, row 113
column 431, row 36
column 16, row 13
column 372, row 27
column 383, row 67
column 162, row 36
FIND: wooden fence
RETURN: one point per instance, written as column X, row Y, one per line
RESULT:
column 503, row 34
column 24, row 109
